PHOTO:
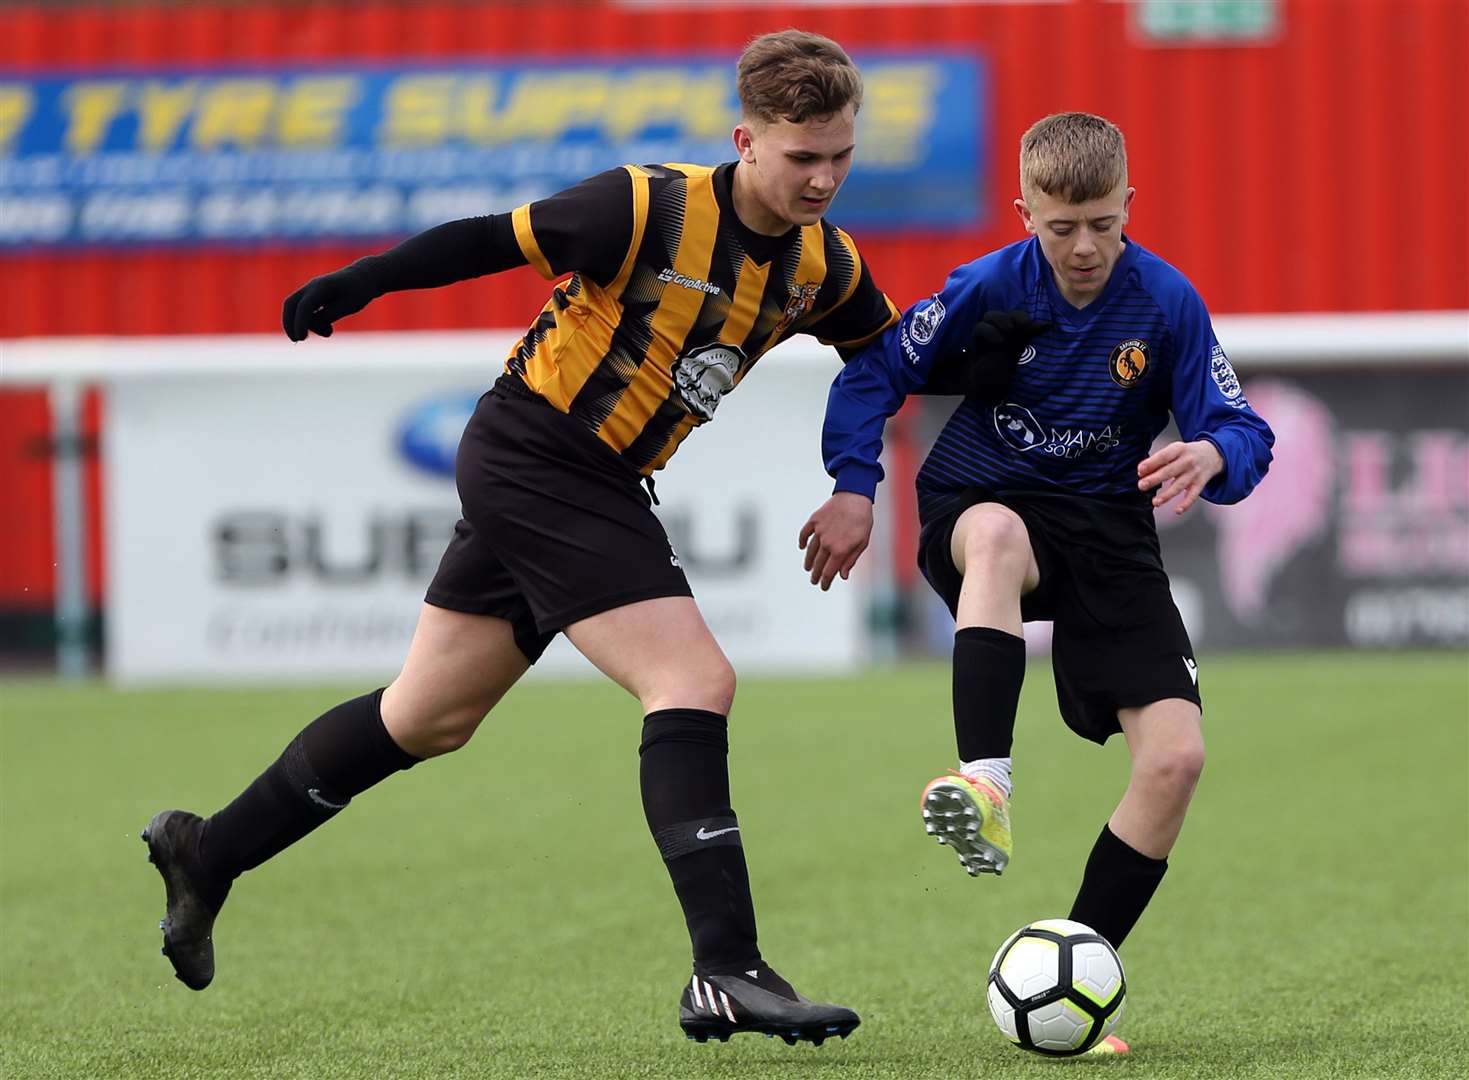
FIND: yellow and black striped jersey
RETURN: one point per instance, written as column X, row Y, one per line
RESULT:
column 672, row 299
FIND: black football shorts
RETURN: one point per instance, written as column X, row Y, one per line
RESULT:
column 556, row 526
column 1118, row 639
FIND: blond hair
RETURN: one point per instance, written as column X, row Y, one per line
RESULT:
column 1074, row 156
column 794, row 75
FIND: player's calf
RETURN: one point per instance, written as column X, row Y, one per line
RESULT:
column 1167, row 747
column 336, row 757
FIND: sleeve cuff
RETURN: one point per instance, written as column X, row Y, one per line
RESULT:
column 1216, row 490
column 859, row 478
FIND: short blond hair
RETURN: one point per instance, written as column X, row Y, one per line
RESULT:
column 1073, row 156
column 794, row 75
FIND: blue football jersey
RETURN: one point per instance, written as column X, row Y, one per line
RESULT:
column 1089, row 397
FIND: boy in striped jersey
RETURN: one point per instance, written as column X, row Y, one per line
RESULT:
column 1071, row 348
column 673, row 281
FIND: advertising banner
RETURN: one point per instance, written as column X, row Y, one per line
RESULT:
column 284, row 524
column 189, row 157
column 1357, row 537
column 1359, row 534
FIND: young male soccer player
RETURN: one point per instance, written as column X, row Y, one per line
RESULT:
column 1071, row 348
column 681, row 277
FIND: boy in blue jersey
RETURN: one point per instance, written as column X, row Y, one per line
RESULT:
column 1071, row 348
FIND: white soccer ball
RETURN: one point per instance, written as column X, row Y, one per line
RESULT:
column 1056, row 987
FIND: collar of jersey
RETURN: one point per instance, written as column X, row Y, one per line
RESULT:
column 761, row 248
column 1063, row 307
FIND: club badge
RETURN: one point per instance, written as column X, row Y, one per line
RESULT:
column 1129, row 363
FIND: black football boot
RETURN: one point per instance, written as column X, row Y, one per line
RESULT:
column 718, row 1006
column 194, row 899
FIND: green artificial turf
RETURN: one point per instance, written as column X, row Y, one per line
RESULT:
column 503, row 913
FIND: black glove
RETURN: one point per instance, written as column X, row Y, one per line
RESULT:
column 323, row 300
column 454, row 251
column 985, row 368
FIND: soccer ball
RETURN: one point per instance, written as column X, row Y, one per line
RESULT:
column 1056, row 987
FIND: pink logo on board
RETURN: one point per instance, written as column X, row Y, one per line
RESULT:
column 1292, row 506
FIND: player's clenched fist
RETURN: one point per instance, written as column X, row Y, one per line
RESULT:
column 323, row 300
column 1179, row 468
column 985, row 367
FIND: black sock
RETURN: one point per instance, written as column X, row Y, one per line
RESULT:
column 685, row 781
column 989, row 667
column 340, row 754
column 1116, row 887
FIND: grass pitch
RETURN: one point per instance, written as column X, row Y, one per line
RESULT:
column 503, row 913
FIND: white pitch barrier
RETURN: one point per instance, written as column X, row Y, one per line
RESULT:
column 274, row 510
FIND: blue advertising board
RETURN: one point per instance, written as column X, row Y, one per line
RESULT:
column 301, row 155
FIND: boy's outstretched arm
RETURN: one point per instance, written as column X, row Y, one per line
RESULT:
column 1226, row 445
column 949, row 337
column 587, row 229
column 453, row 251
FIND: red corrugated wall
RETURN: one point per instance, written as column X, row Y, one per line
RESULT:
column 1324, row 170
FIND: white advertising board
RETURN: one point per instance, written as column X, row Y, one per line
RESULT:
column 282, row 521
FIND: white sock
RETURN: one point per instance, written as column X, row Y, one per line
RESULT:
column 994, row 769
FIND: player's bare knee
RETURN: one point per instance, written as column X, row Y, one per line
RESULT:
column 708, row 685
column 1190, row 761
column 1173, row 769
column 995, row 539
column 443, row 730
column 717, row 688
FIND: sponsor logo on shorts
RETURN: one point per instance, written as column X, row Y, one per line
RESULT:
column 1193, row 669
column 1129, row 362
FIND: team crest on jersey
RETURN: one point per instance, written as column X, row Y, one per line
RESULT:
column 926, row 321
column 1129, row 363
column 705, row 375
column 802, row 299
column 1222, row 371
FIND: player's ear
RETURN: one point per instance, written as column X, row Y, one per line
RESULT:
column 744, row 142
column 1025, row 218
column 1127, row 203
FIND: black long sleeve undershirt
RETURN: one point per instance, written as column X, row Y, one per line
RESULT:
column 454, row 251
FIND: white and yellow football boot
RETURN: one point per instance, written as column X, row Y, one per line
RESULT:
column 1110, row 1044
column 972, row 817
